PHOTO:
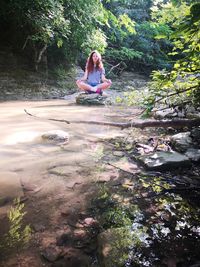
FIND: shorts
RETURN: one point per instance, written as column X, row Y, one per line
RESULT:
column 93, row 84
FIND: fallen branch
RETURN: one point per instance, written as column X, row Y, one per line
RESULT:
column 49, row 119
column 147, row 123
column 176, row 123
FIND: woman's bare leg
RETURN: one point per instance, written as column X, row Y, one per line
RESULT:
column 83, row 86
column 104, row 85
column 86, row 87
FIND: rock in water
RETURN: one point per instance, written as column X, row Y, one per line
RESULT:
column 91, row 99
column 56, row 135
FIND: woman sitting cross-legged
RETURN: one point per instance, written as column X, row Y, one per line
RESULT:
column 94, row 80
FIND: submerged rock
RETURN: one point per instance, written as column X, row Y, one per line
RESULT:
column 91, row 99
column 56, row 135
column 163, row 160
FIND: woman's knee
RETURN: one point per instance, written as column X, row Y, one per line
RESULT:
column 108, row 84
column 78, row 82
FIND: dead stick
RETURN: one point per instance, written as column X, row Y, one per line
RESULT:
column 49, row 119
column 176, row 123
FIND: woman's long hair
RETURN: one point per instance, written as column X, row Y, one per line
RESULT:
column 90, row 63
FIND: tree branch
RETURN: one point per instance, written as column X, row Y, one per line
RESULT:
column 176, row 123
column 27, row 38
column 175, row 93
column 49, row 119
column 41, row 53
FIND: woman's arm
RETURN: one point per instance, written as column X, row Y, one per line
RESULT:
column 84, row 78
column 104, row 79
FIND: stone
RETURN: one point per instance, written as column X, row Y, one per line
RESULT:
column 90, row 221
column 56, row 135
column 181, row 141
column 39, row 227
column 193, row 154
column 126, row 165
column 167, row 113
column 52, row 253
column 64, row 240
column 190, row 109
column 76, row 258
column 195, row 134
column 164, row 160
column 91, row 99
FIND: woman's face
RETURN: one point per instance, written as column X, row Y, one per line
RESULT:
column 95, row 58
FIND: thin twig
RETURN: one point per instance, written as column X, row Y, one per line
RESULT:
column 49, row 119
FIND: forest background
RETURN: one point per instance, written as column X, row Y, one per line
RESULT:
column 158, row 38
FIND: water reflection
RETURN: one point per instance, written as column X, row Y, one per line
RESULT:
column 165, row 227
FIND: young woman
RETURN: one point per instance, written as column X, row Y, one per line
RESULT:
column 94, row 80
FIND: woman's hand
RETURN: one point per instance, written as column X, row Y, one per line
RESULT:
column 109, row 81
column 80, row 80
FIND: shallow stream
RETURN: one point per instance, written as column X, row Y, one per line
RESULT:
column 165, row 227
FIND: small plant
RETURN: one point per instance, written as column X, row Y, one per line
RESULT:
column 103, row 192
column 98, row 153
column 17, row 236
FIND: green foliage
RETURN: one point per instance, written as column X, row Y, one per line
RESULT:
column 158, row 214
column 154, row 50
column 116, row 217
column 168, row 13
column 123, row 54
column 59, row 28
column 95, row 41
column 40, row 23
column 120, row 241
column 85, row 18
column 183, row 79
column 60, row 72
column 139, row 34
column 17, row 235
column 139, row 49
column 48, row 23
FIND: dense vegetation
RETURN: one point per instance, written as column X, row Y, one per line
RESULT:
column 143, row 35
